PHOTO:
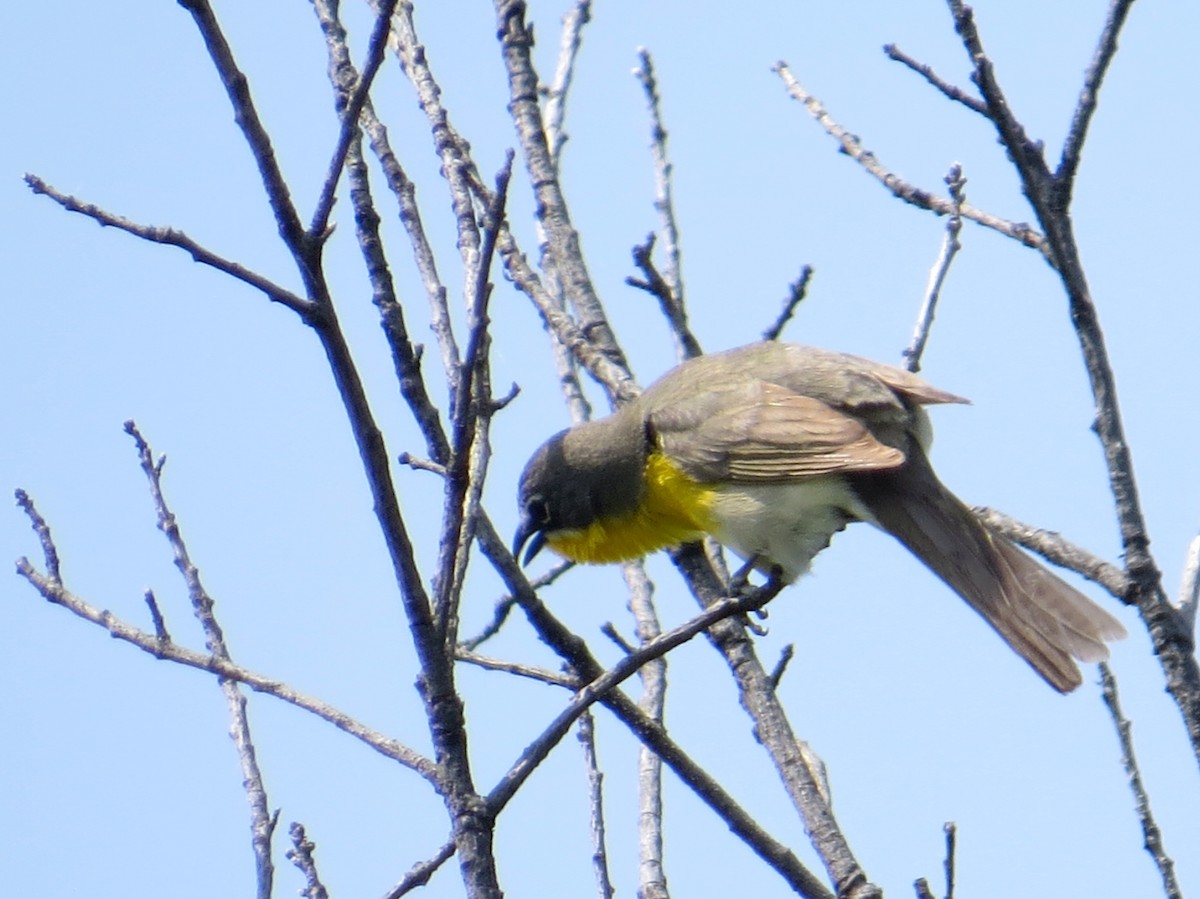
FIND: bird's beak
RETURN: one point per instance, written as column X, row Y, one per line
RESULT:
column 527, row 532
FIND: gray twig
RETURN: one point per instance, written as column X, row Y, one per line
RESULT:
column 301, row 855
column 952, row 91
column 350, row 102
column 672, row 296
column 797, row 290
column 1150, row 831
column 262, row 823
column 45, row 538
column 852, row 147
column 941, row 268
column 175, row 238
column 586, row 733
column 556, row 94
column 652, row 877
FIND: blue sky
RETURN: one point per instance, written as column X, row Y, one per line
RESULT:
column 118, row 774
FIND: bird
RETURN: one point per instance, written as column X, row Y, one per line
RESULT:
column 771, row 449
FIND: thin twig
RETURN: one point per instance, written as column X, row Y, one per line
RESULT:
column 586, row 733
column 562, row 250
column 45, row 538
column 504, row 606
column 926, row 71
column 921, row 885
column 1150, row 831
column 951, row 831
column 54, row 592
column 420, row 873
column 652, row 877
column 301, row 855
column 246, row 116
column 453, row 152
column 521, row 669
column 556, row 94
column 686, row 345
column 797, row 290
column 175, row 238
column 156, row 617
column 262, row 823
column 785, row 658
column 1106, row 49
column 350, row 102
column 941, row 268
column 470, row 414
column 852, row 147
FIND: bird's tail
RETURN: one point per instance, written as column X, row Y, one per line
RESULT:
column 1045, row 620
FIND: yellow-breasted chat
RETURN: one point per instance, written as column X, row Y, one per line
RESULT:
column 771, row 449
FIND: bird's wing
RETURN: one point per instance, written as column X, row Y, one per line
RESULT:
column 759, row 432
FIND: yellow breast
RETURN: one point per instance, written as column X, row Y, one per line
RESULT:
column 675, row 509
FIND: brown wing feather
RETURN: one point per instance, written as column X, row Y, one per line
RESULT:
column 761, row 432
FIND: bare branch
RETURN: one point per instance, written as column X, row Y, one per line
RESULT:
column 350, row 102
column 1050, row 196
column 1150, row 831
column 1106, row 49
column 952, row 91
column 941, row 268
column 505, row 606
column 575, row 653
column 791, row 757
column 55, row 592
column 785, row 659
column 262, row 823
column 951, row 831
column 532, row 672
column 246, row 116
column 686, row 345
column 156, row 617
column 45, row 538
column 797, row 290
column 556, row 95
column 652, row 877
column 470, row 413
column 301, row 855
column 175, row 238
column 586, row 733
column 852, row 147
column 562, row 249
column 420, row 873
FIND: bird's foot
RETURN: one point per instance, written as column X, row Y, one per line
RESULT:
column 755, row 597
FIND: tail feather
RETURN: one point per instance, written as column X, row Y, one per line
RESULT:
column 1045, row 620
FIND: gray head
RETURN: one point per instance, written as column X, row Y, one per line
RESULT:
column 589, row 472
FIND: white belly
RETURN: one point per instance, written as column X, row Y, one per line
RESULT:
column 785, row 524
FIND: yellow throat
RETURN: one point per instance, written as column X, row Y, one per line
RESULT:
column 674, row 509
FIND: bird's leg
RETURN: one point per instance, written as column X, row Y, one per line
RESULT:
column 740, row 581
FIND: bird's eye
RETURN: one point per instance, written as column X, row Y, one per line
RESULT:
column 537, row 510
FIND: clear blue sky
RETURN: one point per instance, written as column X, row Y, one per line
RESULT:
column 118, row 777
